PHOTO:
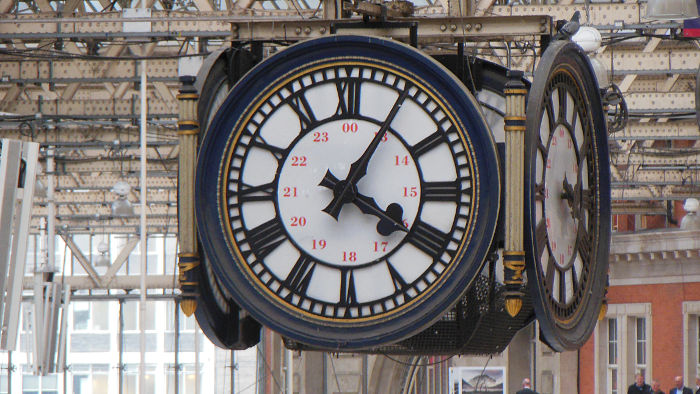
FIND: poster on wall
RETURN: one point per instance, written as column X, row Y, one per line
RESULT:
column 477, row 380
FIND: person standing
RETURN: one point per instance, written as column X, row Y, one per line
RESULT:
column 526, row 388
column 656, row 387
column 639, row 387
column 697, row 385
column 680, row 389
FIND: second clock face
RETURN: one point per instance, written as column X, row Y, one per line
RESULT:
column 568, row 202
column 349, row 193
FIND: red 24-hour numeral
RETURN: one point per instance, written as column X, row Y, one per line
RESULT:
column 411, row 191
column 380, row 246
column 349, row 256
column 350, row 127
column 289, row 191
column 320, row 136
column 385, row 138
column 298, row 221
column 298, row 161
column 401, row 160
column 318, row 244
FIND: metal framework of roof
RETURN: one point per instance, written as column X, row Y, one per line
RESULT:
column 69, row 79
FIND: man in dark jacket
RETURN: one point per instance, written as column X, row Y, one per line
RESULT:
column 526, row 388
column 680, row 389
column 639, row 387
column 656, row 387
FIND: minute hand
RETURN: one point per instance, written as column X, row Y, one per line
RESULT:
column 358, row 169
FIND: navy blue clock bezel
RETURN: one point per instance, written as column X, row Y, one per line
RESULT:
column 215, row 148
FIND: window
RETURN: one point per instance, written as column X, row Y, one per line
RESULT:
column 612, row 357
column 186, row 384
column 39, row 384
column 131, row 379
column 691, row 338
column 697, row 337
column 623, row 347
column 131, row 315
column 186, row 323
column 641, row 345
column 90, row 315
column 90, row 379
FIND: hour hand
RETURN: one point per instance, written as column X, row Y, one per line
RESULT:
column 390, row 220
column 346, row 190
column 572, row 194
column 343, row 192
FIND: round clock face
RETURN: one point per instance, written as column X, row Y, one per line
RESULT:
column 353, row 189
column 569, row 200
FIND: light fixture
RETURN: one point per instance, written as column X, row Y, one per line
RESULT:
column 40, row 189
column 121, row 188
column 588, row 38
column 121, row 206
column 691, row 221
column 672, row 9
column 103, row 259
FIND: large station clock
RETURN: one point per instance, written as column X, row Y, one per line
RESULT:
column 347, row 191
column 567, row 183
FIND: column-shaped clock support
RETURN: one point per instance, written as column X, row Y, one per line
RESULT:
column 514, row 256
column 604, row 305
column 188, row 258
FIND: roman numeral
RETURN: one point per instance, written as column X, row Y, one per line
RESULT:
column 584, row 149
column 563, row 101
column 303, row 110
column 586, row 199
column 562, row 286
column 539, row 192
column 550, row 117
column 396, row 278
column 299, row 277
column 583, row 243
column 574, row 279
column 444, row 191
column 279, row 153
column 348, row 95
column 247, row 193
column 427, row 238
column 427, row 143
column 266, row 237
column 549, row 275
column 541, row 236
column 348, row 296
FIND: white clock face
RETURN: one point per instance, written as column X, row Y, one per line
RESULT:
column 562, row 215
column 567, row 199
column 349, row 191
column 352, row 239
